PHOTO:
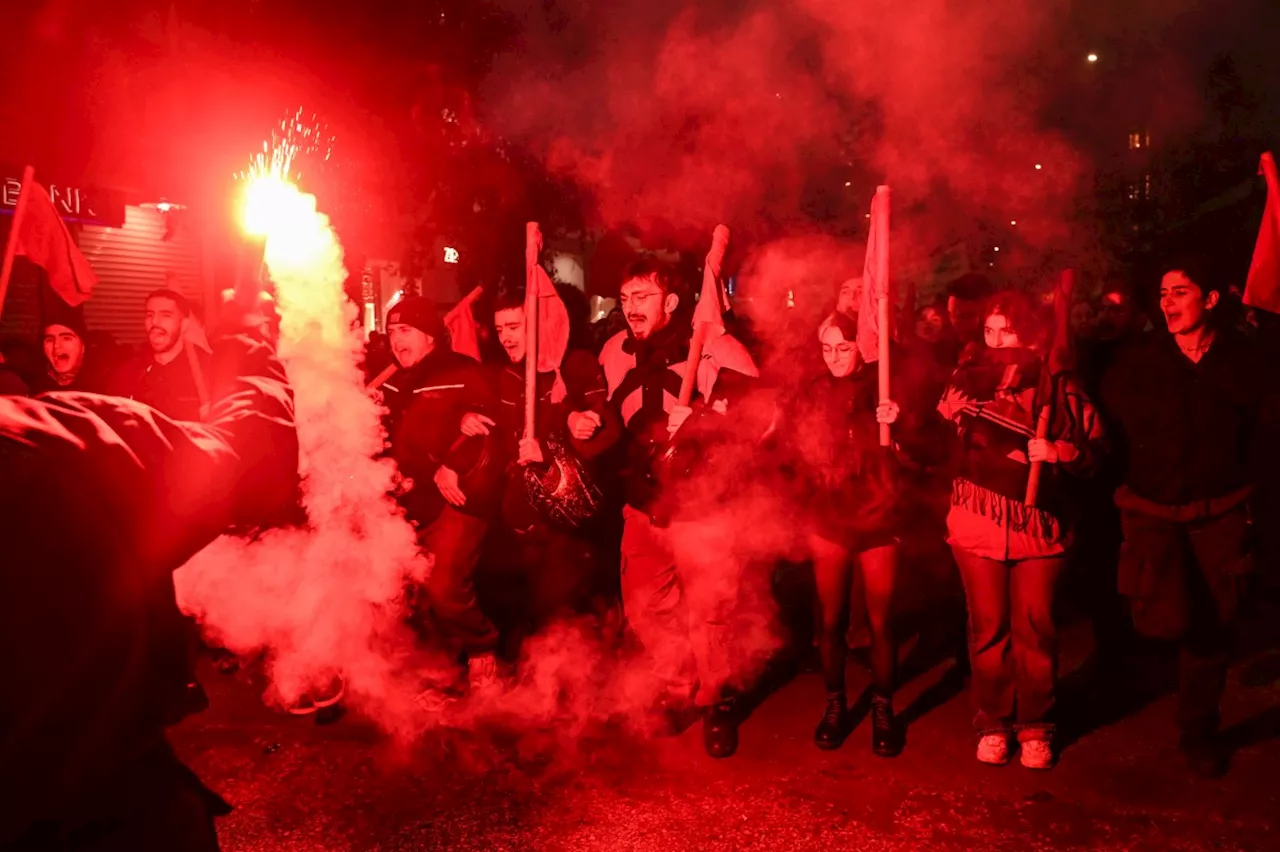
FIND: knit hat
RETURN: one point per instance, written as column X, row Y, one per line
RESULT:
column 418, row 312
column 65, row 315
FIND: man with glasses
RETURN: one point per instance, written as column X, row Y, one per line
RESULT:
column 679, row 575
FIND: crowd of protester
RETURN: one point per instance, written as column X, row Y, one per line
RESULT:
column 1151, row 458
column 1155, row 465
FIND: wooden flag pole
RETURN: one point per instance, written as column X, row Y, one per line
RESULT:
column 883, row 305
column 1062, row 328
column 378, row 380
column 532, row 248
column 697, row 343
column 1033, row 478
column 466, row 303
column 11, row 246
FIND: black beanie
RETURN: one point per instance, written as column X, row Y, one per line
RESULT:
column 418, row 312
column 65, row 315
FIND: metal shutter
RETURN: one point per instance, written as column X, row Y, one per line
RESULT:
column 21, row 317
column 133, row 260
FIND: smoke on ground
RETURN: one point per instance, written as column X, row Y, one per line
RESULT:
column 325, row 598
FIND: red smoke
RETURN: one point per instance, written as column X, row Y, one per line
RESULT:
column 698, row 114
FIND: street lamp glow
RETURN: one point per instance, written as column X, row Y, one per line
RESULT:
column 1092, row 57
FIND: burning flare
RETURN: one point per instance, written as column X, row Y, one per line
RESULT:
column 325, row 599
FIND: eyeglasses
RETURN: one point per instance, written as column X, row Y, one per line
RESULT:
column 637, row 299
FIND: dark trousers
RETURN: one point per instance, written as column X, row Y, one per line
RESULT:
column 834, row 574
column 1184, row 582
column 1095, row 559
column 536, row 577
column 156, row 805
column 1013, row 641
column 447, row 610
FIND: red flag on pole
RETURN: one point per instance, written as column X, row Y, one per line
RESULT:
column 550, row 322
column 464, row 331
column 875, row 322
column 1262, row 289
column 43, row 237
column 875, row 280
column 553, row 316
column 708, row 324
column 712, row 302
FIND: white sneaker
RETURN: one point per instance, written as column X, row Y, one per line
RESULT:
column 1037, row 754
column 994, row 749
column 482, row 673
column 435, row 701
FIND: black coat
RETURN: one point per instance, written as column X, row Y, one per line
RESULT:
column 425, row 405
column 101, row 499
column 1187, row 430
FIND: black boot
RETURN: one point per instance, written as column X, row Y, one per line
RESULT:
column 720, row 730
column 886, row 733
column 834, row 726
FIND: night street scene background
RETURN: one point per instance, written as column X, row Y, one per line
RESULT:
column 639, row 425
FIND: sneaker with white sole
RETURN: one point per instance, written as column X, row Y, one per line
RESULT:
column 1037, row 754
column 435, row 701
column 482, row 673
column 994, row 749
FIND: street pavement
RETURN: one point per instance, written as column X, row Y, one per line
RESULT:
column 1120, row 784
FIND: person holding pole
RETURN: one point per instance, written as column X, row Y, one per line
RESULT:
column 850, row 491
column 678, row 578
column 1011, row 551
column 435, row 398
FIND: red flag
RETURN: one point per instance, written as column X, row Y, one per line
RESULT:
column 464, row 331
column 553, row 317
column 874, row 283
column 43, row 237
column 712, row 302
column 1262, row 289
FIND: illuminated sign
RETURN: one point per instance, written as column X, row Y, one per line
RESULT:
column 450, row 255
column 72, row 203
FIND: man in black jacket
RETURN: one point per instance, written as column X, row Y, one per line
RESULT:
column 546, row 570
column 436, row 396
column 101, row 500
column 165, row 377
column 680, row 579
column 1184, row 406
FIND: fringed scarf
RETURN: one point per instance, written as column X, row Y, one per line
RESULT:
column 996, row 392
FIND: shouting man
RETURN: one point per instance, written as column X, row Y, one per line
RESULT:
column 436, row 396
column 166, row 377
column 550, row 570
column 679, row 579
column 63, row 338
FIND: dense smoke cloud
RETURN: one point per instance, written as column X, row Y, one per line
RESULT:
column 325, row 599
column 696, row 114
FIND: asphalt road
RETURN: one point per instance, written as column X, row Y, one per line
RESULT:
column 1120, row 785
